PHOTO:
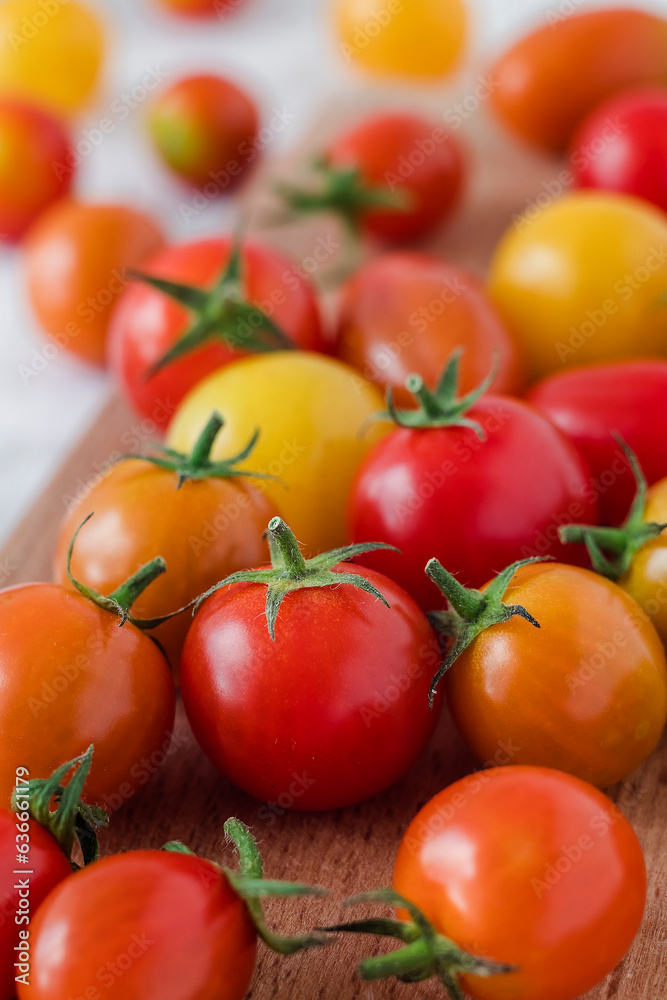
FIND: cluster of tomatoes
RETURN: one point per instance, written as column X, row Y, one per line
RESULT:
column 320, row 566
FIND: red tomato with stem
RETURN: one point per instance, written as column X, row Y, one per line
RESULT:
column 338, row 681
column 531, row 869
column 478, row 482
column 592, row 403
column 158, row 925
column 205, row 128
column 201, row 306
column 32, row 142
column 405, row 312
column 395, row 176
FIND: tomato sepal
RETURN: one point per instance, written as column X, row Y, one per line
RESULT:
column 290, row 571
column 72, row 820
column 425, row 954
column 471, row 611
column 612, row 550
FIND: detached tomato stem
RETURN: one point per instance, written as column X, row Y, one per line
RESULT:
column 471, row 611
column 620, row 543
column 72, row 819
column 290, row 571
column 223, row 313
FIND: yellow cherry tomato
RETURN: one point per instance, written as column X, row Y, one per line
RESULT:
column 646, row 579
column 50, row 51
column 583, row 280
column 419, row 38
column 312, row 414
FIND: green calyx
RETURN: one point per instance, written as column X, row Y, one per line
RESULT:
column 72, row 820
column 442, row 408
column 424, row 954
column 471, row 611
column 290, row 571
column 198, row 464
column 612, row 550
column 121, row 600
column 221, row 313
column 249, row 883
column 342, row 191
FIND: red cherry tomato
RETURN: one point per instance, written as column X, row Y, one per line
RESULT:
column 147, row 323
column 406, row 312
column 589, row 404
column 339, row 697
column 202, row 8
column 32, row 142
column 476, row 505
column 48, row 866
column 205, row 129
column 530, row 867
column 622, row 146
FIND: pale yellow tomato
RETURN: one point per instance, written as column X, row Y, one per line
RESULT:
column 312, row 413
column 583, row 280
column 416, row 38
column 50, row 51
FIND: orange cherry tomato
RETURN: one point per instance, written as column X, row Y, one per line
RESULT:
column 406, row 312
column 546, row 83
column 586, row 693
column 646, row 578
column 76, row 261
column 530, row 867
column 31, row 141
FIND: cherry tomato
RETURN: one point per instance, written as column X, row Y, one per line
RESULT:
column 205, row 129
column 51, row 52
column 206, row 528
column 438, row 489
column 202, row 8
column 406, row 312
column 646, row 578
column 422, row 39
column 396, row 176
column 147, row 322
column 531, row 867
column 584, row 280
column 588, row 404
column 312, row 413
column 31, row 141
column 587, row 693
column 71, row 677
column 622, row 146
column 76, row 257
column 338, row 684
column 539, row 96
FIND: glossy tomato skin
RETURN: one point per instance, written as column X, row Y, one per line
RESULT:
column 205, row 128
column 76, row 260
column 31, row 141
column 51, row 58
column 587, row 693
column 646, row 579
column 48, row 867
column 314, row 417
column 406, row 312
column 422, row 40
column 146, row 323
column 143, row 925
column 539, row 97
column 339, row 700
column 71, row 677
column 411, row 156
column 582, row 281
column 204, row 530
column 589, row 404
column 531, row 867
column 622, row 146
column 474, row 505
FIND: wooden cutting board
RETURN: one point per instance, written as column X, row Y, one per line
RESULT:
column 349, row 850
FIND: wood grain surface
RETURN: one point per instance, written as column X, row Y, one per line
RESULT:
column 348, row 850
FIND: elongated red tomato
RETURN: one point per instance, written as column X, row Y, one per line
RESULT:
column 147, row 323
